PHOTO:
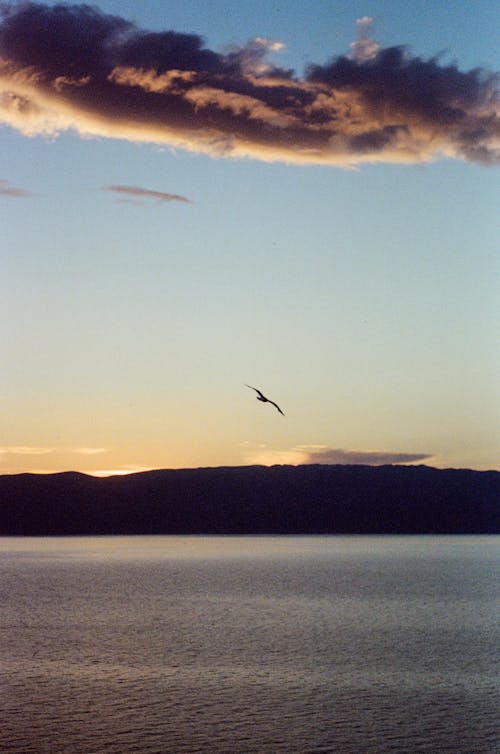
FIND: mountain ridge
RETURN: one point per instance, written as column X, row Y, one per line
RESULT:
column 280, row 499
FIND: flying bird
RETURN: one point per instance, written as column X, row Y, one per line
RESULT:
column 262, row 397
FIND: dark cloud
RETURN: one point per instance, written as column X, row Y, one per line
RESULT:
column 7, row 190
column 365, row 457
column 142, row 193
column 73, row 67
column 322, row 454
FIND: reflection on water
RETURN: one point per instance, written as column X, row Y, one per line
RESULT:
column 248, row 644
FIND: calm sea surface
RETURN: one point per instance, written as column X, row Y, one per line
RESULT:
column 249, row 644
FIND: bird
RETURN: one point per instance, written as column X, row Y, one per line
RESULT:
column 262, row 397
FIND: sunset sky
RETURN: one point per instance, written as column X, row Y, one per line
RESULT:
column 300, row 196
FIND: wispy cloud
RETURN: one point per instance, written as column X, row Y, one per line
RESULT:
column 136, row 192
column 73, row 67
column 27, row 450
column 24, row 450
column 90, row 451
column 7, row 190
column 322, row 454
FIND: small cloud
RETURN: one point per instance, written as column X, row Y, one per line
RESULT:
column 252, row 57
column 24, row 450
column 29, row 450
column 90, row 451
column 364, row 48
column 7, row 190
column 322, row 454
column 136, row 192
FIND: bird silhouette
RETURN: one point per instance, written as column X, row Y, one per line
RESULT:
column 262, row 397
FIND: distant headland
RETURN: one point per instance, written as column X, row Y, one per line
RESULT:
column 308, row 499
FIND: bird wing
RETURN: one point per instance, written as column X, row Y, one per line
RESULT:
column 257, row 391
column 276, row 406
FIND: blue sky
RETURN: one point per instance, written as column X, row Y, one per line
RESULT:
column 361, row 298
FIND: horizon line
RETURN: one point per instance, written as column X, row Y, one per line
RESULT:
column 113, row 473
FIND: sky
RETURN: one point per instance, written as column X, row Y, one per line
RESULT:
column 196, row 197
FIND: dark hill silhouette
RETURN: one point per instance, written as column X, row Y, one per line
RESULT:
column 311, row 499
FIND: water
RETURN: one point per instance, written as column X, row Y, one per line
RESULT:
column 165, row 645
